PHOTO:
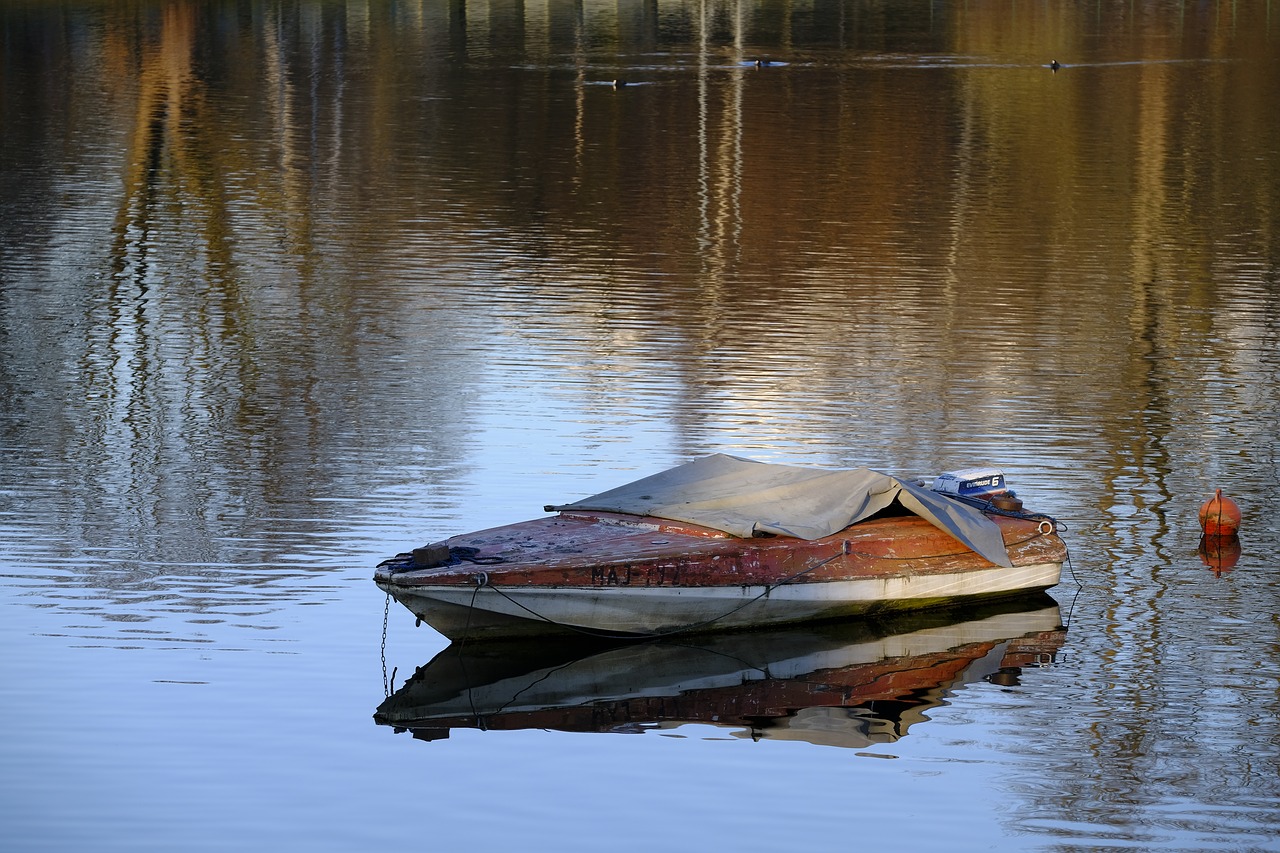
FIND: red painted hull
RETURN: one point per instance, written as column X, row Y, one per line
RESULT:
column 598, row 572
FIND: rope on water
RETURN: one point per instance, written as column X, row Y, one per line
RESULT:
column 386, row 615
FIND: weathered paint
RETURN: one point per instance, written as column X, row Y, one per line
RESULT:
column 617, row 574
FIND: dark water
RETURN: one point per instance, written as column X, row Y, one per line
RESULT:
column 288, row 287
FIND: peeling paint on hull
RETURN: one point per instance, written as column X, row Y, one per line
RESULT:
column 609, row 574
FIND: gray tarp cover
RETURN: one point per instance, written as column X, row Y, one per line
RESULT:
column 742, row 497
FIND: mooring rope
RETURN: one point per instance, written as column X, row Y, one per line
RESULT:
column 388, row 684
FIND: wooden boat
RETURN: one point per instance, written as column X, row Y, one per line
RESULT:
column 725, row 543
column 847, row 684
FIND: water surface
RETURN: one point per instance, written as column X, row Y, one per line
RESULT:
column 286, row 288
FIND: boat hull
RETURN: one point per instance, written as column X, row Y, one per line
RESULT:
column 607, row 575
column 490, row 611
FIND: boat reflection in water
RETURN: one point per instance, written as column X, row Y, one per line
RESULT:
column 848, row 684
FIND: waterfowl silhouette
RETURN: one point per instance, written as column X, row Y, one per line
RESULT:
column 618, row 84
column 1053, row 64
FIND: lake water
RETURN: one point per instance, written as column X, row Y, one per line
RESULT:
column 288, row 287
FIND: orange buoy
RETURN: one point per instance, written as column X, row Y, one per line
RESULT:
column 1219, row 516
column 1219, row 553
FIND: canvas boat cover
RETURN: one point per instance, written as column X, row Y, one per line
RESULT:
column 743, row 497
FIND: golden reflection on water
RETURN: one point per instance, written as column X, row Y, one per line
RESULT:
column 863, row 254
column 851, row 249
column 286, row 288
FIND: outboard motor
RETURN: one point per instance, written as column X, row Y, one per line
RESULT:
column 971, row 483
column 979, row 485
